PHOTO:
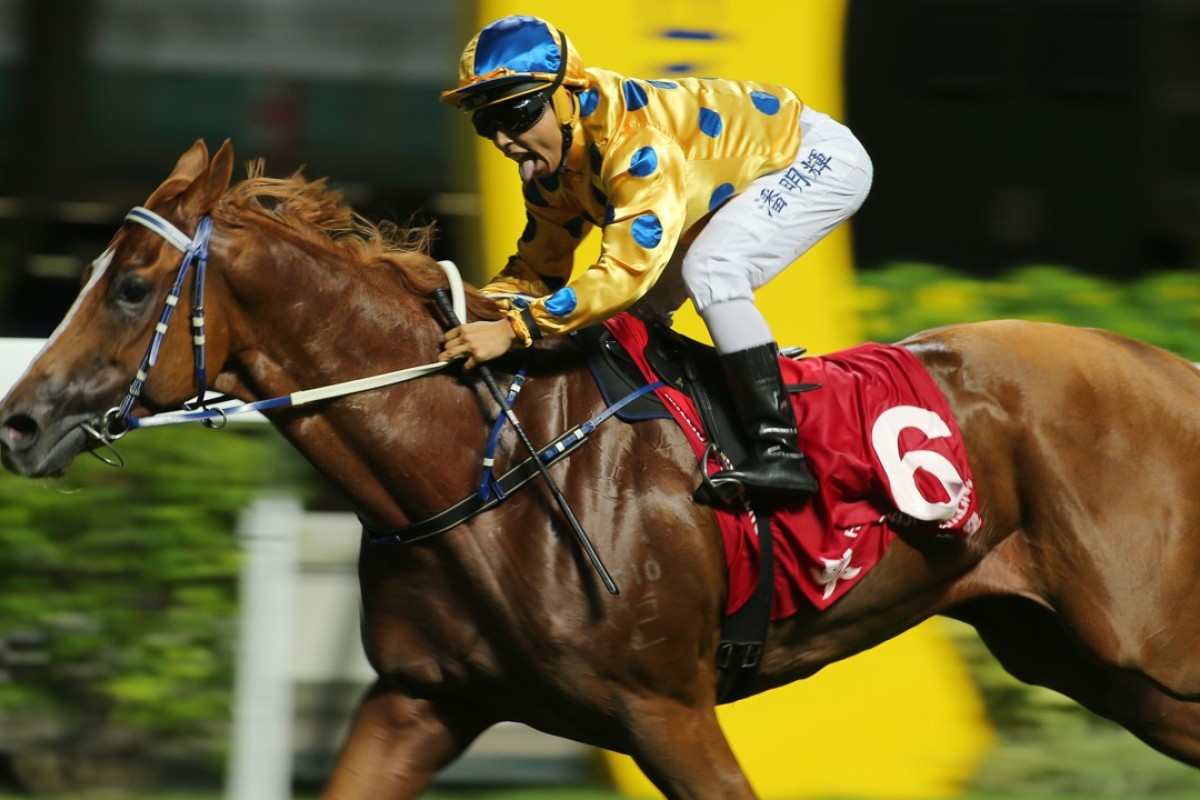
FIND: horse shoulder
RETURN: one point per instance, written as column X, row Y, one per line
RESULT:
column 630, row 485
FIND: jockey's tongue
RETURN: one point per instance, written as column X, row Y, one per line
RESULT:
column 527, row 166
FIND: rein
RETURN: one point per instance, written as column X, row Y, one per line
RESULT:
column 118, row 421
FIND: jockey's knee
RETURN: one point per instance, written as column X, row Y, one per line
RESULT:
column 714, row 279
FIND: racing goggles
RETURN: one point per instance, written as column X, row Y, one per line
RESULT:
column 514, row 117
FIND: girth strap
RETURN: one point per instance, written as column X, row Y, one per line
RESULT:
column 744, row 632
column 473, row 503
column 516, row 477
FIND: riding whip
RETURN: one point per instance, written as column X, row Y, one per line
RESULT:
column 442, row 298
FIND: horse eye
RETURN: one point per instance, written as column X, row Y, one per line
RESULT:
column 132, row 290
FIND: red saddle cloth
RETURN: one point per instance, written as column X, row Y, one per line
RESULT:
column 885, row 447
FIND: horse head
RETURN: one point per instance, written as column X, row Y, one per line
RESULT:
column 85, row 371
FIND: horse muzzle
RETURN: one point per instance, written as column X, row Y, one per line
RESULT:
column 36, row 445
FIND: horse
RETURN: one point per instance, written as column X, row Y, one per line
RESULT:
column 1082, row 442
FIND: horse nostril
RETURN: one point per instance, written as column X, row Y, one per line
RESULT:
column 19, row 430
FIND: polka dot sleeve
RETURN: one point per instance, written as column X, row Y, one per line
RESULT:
column 545, row 249
column 644, row 178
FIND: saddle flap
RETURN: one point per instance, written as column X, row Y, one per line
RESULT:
column 695, row 368
column 616, row 374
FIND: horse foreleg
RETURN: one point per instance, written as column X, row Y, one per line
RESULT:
column 396, row 745
column 684, row 753
column 1033, row 644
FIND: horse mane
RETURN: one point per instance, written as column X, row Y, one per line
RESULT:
column 313, row 212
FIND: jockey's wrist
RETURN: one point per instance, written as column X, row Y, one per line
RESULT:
column 519, row 328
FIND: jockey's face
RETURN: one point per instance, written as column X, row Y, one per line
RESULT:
column 537, row 151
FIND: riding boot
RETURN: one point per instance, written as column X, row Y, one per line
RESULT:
column 775, row 468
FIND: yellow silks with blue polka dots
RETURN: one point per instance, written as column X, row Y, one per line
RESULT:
column 648, row 160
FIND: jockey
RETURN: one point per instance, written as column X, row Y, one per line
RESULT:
column 701, row 185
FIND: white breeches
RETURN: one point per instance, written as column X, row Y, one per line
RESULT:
column 779, row 216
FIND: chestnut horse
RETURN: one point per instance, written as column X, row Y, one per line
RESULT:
column 1083, row 445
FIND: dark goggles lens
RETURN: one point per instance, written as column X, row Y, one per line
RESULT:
column 513, row 117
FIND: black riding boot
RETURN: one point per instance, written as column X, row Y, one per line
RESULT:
column 775, row 467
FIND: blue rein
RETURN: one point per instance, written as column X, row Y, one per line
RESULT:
column 119, row 420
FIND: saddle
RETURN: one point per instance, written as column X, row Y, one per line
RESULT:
column 694, row 368
column 683, row 363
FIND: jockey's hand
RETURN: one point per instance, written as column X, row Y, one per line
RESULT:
column 478, row 342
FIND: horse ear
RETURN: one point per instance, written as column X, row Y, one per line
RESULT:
column 187, row 169
column 220, row 170
column 204, row 192
column 192, row 162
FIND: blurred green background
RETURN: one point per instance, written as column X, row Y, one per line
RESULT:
column 1034, row 159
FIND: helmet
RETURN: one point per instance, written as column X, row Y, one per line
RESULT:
column 515, row 56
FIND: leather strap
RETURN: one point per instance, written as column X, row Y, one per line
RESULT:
column 744, row 633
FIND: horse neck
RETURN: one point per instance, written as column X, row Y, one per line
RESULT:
column 306, row 319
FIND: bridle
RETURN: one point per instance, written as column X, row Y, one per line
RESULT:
column 116, row 422
column 119, row 419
